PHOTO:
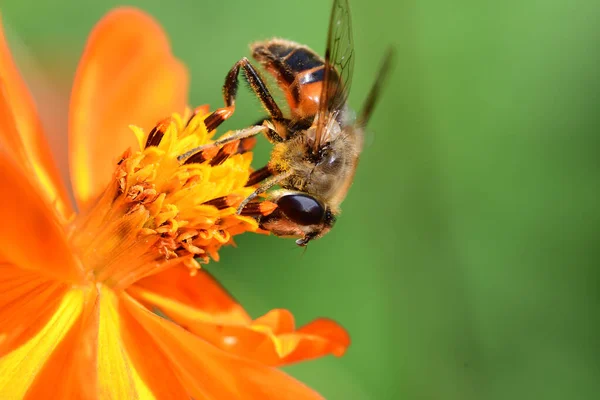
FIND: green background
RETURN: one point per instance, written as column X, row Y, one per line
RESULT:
column 465, row 264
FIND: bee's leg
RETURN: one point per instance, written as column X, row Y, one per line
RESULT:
column 266, row 185
column 196, row 154
column 272, row 132
column 230, row 91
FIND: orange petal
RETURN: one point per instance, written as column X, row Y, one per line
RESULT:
column 273, row 340
column 130, row 365
column 202, row 306
column 183, row 297
column 127, row 75
column 19, row 368
column 210, row 373
column 70, row 373
column 30, row 236
column 277, row 321
column 316, row 339
column 21, row 131
column 27, row 302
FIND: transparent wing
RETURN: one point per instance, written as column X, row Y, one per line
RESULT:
column 339, row 66
column 373, row 96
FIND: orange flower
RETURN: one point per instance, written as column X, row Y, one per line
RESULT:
column 81, row 292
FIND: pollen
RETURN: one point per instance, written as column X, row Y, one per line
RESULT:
column 158, row 210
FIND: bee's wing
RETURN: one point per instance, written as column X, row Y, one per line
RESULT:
column 339, row 65
column 373, row 96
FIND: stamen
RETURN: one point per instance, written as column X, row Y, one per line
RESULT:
column 224, row 202
column 158, row 211
column 156, row 134
column 258, row 176
column 246, row 145
column 200, row 110
column 224, row 152
column 256, row 208
column 216, row 118
column 203, row 155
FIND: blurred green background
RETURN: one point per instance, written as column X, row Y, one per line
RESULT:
column 465, row 264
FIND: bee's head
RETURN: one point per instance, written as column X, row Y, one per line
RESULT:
column 298, row 215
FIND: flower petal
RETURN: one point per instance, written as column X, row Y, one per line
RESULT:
column 21, row 131
column 273, row 340
column 27, row 302
column 199, row 304
column 19, row 368
column 30, row 236
column 70, row 373
column 127, row 75
column 210, row 373
column 183, row 297
column 277, row 321
column 316, row 339
column 130, row 365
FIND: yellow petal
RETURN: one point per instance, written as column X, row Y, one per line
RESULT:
column 19, row 368
column 70, row 373
column 130, row 365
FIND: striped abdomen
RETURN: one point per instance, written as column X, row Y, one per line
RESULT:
column 299, row 72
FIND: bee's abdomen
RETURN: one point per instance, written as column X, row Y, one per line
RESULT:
column 299, row 72
column 291, row 56
column 302, row 59
column 298, row 58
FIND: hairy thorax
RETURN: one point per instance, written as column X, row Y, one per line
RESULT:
column 325, row 174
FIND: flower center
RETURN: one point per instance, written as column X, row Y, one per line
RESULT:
column 157, row 212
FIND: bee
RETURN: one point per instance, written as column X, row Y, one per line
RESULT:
column 317, row 147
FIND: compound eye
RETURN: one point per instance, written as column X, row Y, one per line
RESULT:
column 301, row 209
